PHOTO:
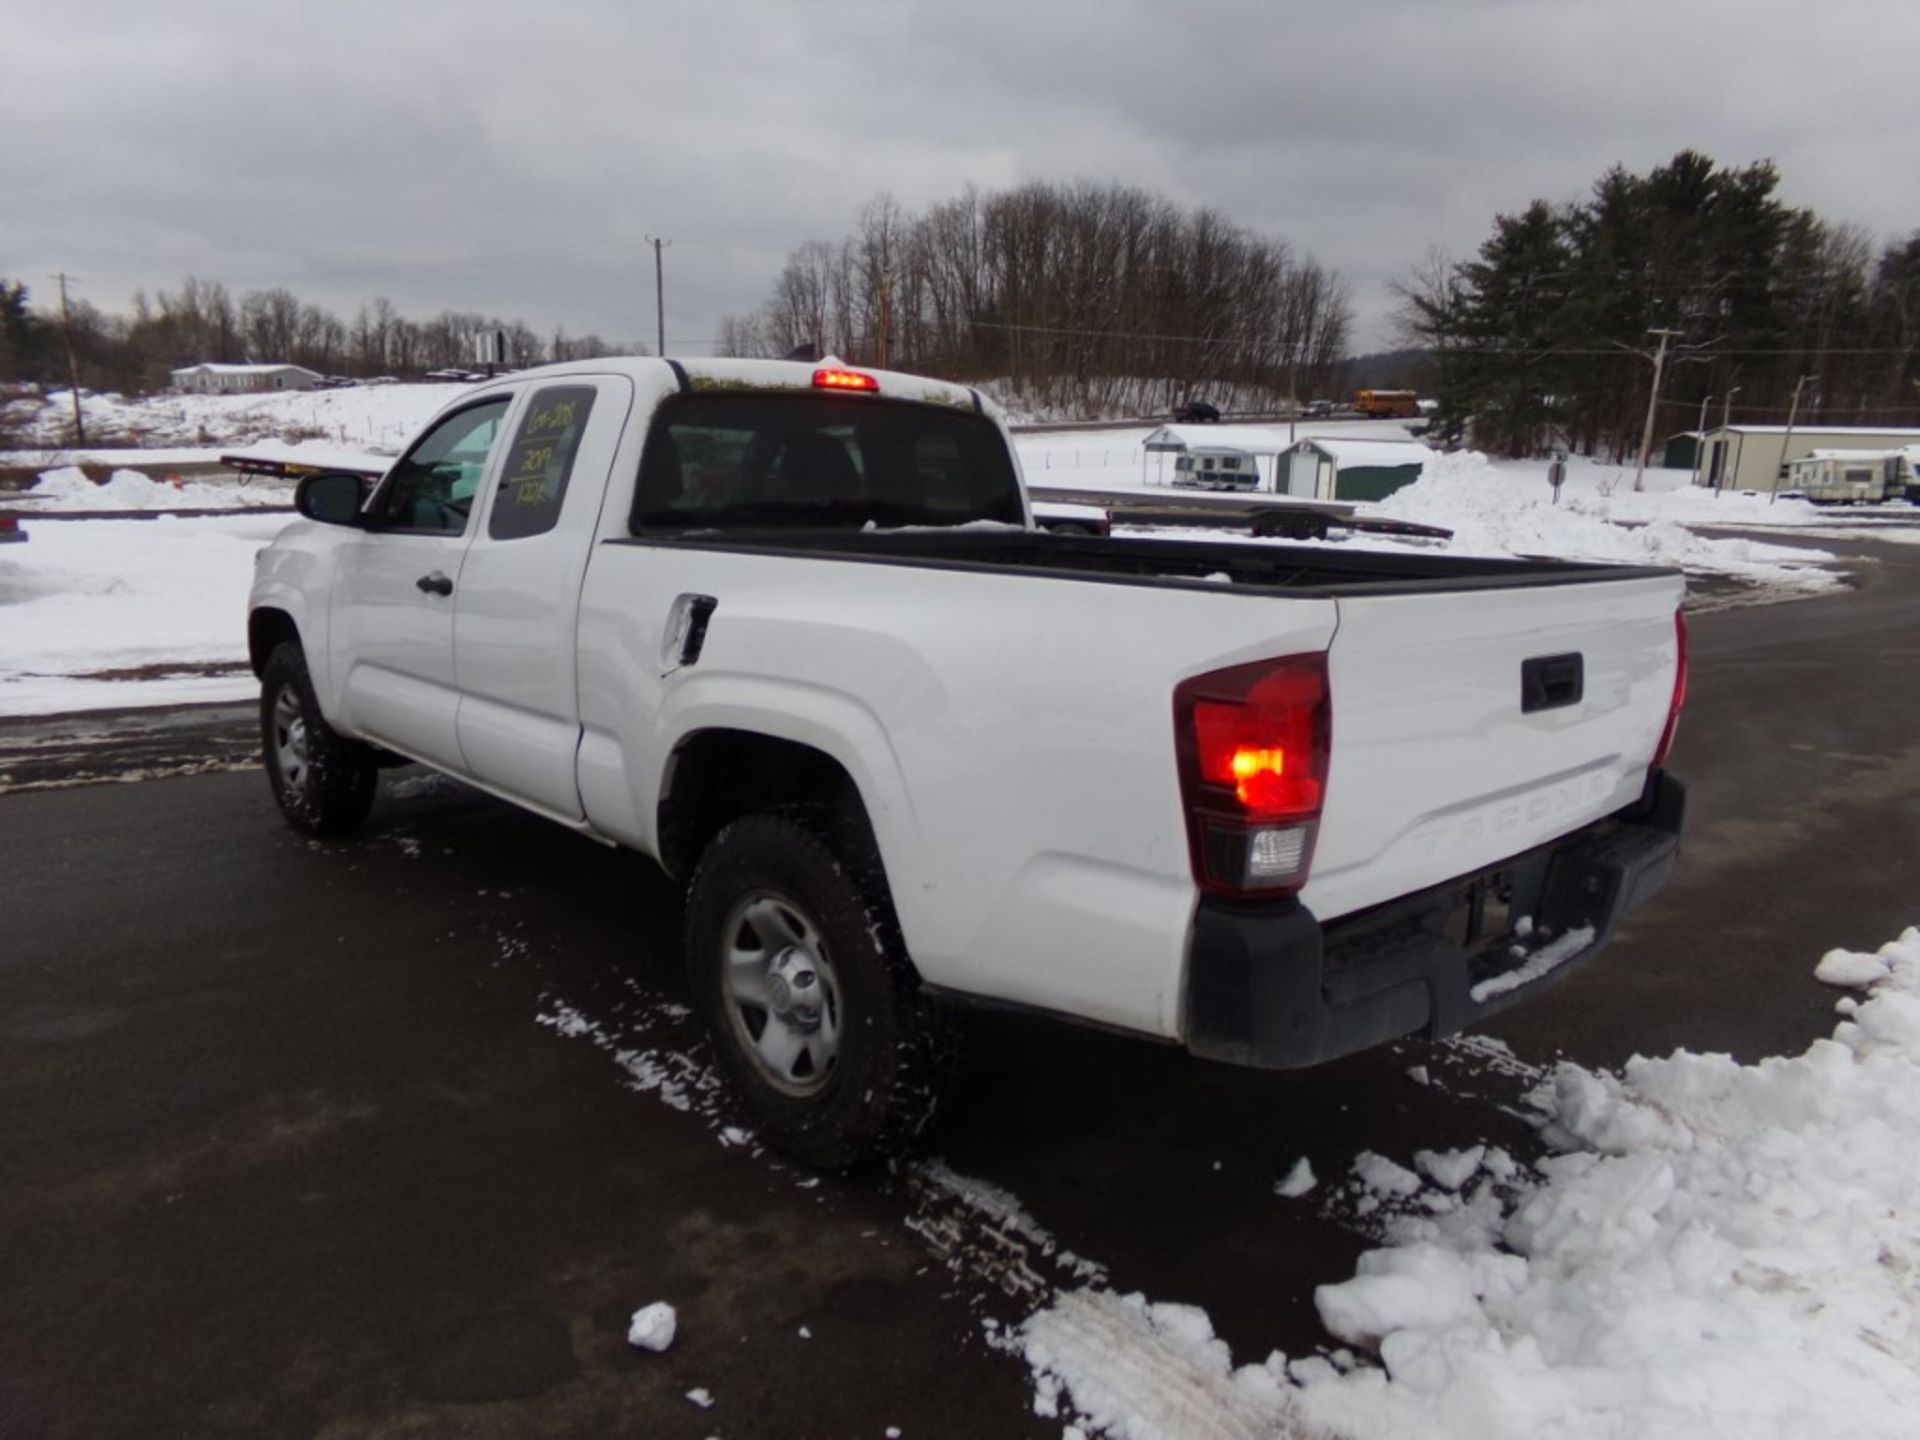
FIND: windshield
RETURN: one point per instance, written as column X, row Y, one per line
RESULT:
column 772, row 461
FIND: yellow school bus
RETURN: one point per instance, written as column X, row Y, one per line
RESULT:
column 1386, row 402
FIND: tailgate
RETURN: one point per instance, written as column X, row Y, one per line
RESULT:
column 1455, row 741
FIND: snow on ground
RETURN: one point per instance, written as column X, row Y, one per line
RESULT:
column 104, row 613
column 69, row 488
column 1506, row 509
column 1715, row 1249
column 375, row 415
column 1497, row 509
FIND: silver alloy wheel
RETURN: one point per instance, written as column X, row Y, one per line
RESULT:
column 782, row 996
column 290, row 742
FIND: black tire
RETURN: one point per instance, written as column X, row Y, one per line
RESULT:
column 892, row 1053
column 324, row 783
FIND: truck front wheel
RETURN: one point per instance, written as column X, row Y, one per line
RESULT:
column 798, row 965
column 324, row 783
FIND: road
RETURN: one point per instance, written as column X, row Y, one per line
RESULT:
column 288, row 1150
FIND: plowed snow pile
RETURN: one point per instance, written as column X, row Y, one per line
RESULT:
column 1493, row 512
column 1716, row 1250
column 69, row 488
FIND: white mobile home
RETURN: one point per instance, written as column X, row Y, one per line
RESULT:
column 213, row 379
column 1855, row 477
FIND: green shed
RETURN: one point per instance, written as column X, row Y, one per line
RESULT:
column 1683, row 450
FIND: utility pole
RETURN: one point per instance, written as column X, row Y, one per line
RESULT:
column 1793, row 413
column 1726, row 419
column 1700, row 439
column 73, row 364
column 659, row 293
column 1653, row 401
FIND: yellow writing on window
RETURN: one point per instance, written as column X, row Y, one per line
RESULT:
column 556, row 416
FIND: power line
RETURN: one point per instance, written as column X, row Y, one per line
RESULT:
column 1436, row 351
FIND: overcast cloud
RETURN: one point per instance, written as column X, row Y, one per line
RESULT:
column 509, row 158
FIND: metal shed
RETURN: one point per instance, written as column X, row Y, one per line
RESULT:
column 1324, row 468
column 1682, row 450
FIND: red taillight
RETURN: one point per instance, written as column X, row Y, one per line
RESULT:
column 1679, row 690
column 1253, row 744
column 843, row 380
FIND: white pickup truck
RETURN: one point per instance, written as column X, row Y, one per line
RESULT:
column 791, row 632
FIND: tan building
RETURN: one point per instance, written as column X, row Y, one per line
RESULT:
column 1753, row 457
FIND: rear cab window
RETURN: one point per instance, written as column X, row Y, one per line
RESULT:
column 539, row 462
column 770, row 461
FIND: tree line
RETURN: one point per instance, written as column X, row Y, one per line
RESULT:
column 203, row 321
column 1545, row 338
column 1088, row 297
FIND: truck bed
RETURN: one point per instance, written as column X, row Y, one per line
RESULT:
column 1304, row 570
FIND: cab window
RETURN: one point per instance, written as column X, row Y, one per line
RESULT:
column 431, row 488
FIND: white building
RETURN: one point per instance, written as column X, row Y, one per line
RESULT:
column 1756, row 457
column 211, row 379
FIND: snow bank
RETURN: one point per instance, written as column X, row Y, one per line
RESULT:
column 103, row 613
column 1717, row 1250
column 1491, row 511
column 68, row 488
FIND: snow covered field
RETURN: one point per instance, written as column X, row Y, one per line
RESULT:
column 104, row 613
column 377, row 416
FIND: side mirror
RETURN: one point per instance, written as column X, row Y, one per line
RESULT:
column 333, row 497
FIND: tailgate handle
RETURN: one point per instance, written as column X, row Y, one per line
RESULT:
column 1548, row 682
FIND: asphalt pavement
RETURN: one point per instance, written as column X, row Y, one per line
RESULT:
column 390, row 1138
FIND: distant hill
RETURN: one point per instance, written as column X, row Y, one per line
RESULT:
column 1387, row 370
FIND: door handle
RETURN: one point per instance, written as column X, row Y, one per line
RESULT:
column 435, row 584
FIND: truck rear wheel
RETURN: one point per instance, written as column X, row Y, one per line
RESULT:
column 324, row 783
column 798, row 965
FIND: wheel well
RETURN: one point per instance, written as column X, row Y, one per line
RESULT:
column 266, row 629
column 716, row 776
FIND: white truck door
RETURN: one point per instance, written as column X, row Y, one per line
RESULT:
column 519, row 595
column 393, row 598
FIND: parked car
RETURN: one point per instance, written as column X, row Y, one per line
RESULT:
column 1196, row 412
column 10, row 531
column 791, row 632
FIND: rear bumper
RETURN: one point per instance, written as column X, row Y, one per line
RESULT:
column 1269, row 986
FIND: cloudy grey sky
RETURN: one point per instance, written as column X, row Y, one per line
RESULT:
column 509, row 157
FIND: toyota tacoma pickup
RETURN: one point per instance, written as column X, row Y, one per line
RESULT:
column 791, row 631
